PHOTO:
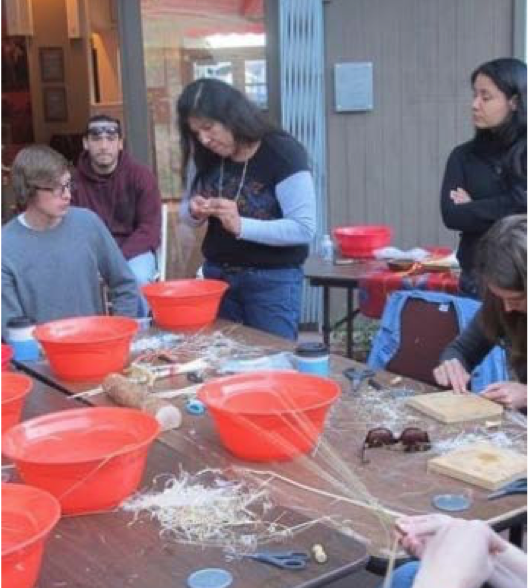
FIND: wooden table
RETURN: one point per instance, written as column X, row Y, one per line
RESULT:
column 374, row 282
column 106, row 551
column 328, row 275
column 398, row 481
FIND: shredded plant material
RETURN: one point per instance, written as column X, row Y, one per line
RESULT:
column 208, row 510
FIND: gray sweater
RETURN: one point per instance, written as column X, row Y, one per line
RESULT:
column 53, row 274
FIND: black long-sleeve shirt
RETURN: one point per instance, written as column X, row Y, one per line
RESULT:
column 494, row 193
column 472, row 346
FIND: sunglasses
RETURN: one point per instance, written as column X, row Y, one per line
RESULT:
column 412, row 439
column 110, row 131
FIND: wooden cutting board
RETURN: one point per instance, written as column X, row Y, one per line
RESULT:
column 448, row 407
column 481, row 464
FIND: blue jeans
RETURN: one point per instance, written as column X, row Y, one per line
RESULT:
column 265, row 299
column 403, row 577
column 143, row 267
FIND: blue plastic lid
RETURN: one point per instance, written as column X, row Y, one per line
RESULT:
column 311, row 350
column 451, row 502
column 210, row 578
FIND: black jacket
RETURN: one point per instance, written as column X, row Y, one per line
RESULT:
column 495, row 193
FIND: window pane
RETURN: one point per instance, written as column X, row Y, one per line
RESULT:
column 188, row 39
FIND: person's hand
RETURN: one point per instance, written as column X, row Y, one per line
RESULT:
column 452, row 373
column 414, row 533
column 227, row 213
column 199, row 207
column 459, row 196
column 510, row 394
column 461, row 554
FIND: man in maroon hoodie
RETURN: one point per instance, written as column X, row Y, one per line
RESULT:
column 123, row 193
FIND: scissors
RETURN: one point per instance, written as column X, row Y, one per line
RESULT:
column 357, row 376
column 286, row 560
column 515, row 487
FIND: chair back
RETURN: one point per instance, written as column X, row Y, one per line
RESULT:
column 427, row 328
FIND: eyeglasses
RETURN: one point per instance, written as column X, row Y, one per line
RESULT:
column 412, row 439
column 58, row 190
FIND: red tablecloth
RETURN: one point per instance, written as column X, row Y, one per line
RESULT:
column 374, row 289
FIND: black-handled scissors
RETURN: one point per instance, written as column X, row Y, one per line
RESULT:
column 286, row 560
column 515, row 487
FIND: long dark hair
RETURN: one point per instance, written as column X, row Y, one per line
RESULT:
column 501, row 261
column 509, row 75
column 215, row 100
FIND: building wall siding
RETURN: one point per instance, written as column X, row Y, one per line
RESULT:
column 386, row 165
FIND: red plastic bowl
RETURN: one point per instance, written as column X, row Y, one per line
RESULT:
column 87, row 348
column 90, row 459
column 269, row 415
column 15, row 388
column 185, row 305
column 362, row 240
column 7, row 355
column 28, row 516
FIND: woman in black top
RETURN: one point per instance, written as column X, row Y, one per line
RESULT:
column 485, row 178
column 501, row 266
column 253, row 188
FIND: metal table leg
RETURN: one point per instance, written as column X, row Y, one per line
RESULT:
column 326, row 316
column 350, row 322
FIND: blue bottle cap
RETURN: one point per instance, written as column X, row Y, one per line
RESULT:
column 196, row 407
column 451, row 502
column 210, row 578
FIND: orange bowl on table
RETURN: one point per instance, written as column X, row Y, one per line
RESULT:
column 185, row 305
column 87, row 348
column 90, row 459
column 269, row 415
column 15, row 388
column 7, row 355
column 362, row 240
column 28, row 516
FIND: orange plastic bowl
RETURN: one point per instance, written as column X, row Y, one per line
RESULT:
column 90, row 459
column 362, row 240
column 269, row 415
column 87, row 348
column 185, row 305
column 7, row 355
column 15, row 388
column 28, row 516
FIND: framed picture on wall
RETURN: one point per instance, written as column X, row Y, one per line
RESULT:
column 55, row 104
column 51, row 64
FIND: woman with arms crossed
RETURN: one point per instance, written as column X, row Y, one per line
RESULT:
column 485, row 178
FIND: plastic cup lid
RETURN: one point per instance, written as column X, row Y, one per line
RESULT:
column 451, row 502
column 311, row 349
column 210, row 578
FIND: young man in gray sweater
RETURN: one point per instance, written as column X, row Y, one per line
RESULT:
column 54, row 255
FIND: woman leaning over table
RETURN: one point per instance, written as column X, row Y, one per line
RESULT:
column 251, row 183
column 485, row 178
column 501, row 268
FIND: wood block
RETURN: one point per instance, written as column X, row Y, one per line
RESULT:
column 481, row 464
column 448, row 407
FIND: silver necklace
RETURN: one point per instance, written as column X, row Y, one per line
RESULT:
column 240, row 185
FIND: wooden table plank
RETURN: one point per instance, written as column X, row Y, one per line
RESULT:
column 398, row 480
column 105, row 550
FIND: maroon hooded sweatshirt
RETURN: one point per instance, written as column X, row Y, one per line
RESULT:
column 127, row 200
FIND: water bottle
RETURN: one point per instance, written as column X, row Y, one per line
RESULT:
column 327, row 248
